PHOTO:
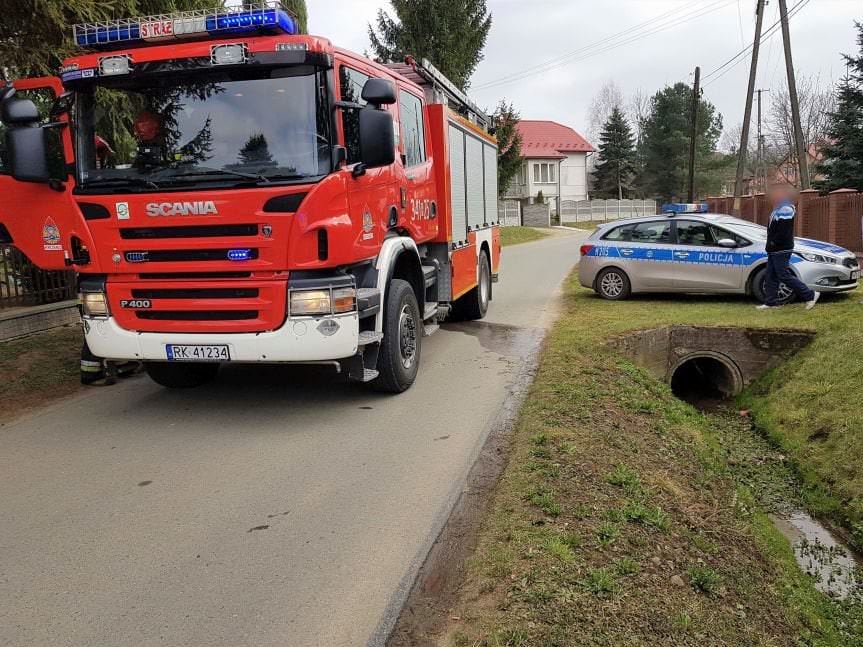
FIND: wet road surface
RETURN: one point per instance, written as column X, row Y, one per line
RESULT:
column 273, row 507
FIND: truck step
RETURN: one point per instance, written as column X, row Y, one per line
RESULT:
column 430, row 274
column 369, row 374
column 430, row 329
column 369, row 337
column 430, row 311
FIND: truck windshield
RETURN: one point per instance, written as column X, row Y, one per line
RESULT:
column 145, row 133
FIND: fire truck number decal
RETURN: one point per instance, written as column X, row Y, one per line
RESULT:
column 421, row 209
column 138, row 304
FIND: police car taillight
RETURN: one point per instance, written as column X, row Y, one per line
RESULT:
column 585, row 249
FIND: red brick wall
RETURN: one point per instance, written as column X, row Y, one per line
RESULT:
column 835, row 218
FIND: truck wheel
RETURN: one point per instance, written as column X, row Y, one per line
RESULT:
column 399, row 357
column 474, row 304
column 613, row 284
column 181, row 375
column 759, row 291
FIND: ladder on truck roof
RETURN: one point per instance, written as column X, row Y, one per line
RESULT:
column 440, row 89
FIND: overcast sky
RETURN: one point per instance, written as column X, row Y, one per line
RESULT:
column 530, row 33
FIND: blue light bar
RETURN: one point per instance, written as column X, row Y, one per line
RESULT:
column 239, row 254
column 267, row 17
column 683, row 207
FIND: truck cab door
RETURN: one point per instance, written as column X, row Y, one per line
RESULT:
column 418, row 206
column 37, row 219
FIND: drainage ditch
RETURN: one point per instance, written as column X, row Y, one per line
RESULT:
column 707, row 367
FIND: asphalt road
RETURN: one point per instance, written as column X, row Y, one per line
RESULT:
column 273, row 507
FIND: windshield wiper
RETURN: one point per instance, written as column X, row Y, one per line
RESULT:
column 207, row 172
column 119, row 181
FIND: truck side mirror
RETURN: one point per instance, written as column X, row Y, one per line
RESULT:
column 26, row 143
column 379, row 92
column 377, row 137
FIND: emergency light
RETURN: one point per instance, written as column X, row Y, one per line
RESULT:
column 683, row 207
column 266, row 17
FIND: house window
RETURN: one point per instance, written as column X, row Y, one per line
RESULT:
column 413, row 135
column 544, row 173
column 352, row 83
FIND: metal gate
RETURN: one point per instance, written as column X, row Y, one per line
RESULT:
column 24, row 284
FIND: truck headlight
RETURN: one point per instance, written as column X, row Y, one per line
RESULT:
column 94, row 304
column 322, row 302
column 816, row 258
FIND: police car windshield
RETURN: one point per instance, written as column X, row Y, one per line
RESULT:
column 231, row 127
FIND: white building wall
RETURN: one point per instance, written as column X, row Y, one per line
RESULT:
column 573, row 177
column 570, row 175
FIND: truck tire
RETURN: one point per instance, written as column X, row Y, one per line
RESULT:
column 474, row 304
column 613, row 284
column 399, row 356
column 181, row 375
column 757, row 287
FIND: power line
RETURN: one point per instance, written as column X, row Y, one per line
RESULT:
column 740, row 56
column 575, row 52
column 575, row 57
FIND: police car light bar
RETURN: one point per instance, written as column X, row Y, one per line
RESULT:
column 264, row 17
column 682, row 207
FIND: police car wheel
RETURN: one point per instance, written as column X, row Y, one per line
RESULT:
column 613, row 284
column 759, row 289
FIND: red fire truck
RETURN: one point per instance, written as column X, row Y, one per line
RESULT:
column 269, row 198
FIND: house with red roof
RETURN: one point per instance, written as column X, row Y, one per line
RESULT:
column 554, row 161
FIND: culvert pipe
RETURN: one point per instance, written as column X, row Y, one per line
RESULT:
column 705, row 374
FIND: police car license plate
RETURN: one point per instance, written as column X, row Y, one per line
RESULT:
column 198, row 352
column 855, row 275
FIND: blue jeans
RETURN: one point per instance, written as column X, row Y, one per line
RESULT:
column 779, row 271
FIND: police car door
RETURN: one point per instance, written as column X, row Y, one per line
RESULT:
column 701, row 263
column 648, row 254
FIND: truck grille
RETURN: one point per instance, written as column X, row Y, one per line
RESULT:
column 180, row 255
column 197, row 315
column 197, row 293
column 210, row 305
column 199, row 231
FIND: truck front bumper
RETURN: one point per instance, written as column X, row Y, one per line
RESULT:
column 303, row 339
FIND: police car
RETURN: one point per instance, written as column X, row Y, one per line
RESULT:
column 687, row 249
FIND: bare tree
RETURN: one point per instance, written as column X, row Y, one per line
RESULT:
column 609, row 97
column 816, row 102
column 637, row 109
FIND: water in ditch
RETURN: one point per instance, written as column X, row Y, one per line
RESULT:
column 820, row 551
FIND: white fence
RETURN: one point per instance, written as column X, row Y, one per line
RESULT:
column 509, row 213
column 592, row 210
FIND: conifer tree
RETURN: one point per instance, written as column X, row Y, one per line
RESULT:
column 843, row 155
column 615, row 165
column 449, row 33
column 509, row 145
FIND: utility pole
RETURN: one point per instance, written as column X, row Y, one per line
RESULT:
column 747, row 114
column 693, row 132
column 800, row 145
column 760, row 166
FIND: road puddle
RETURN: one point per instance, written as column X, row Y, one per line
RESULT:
column 832, row 565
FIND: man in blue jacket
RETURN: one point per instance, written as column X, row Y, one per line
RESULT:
column 780, row 245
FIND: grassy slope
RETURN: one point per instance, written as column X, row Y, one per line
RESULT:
column 37, row 369
column 517, row 235
column 618, row 519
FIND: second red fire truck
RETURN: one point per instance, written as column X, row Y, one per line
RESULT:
column 272, row 198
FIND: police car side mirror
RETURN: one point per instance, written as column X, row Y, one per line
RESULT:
column 26, row 141
column 730, row 243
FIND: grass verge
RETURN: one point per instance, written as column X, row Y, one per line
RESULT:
column 38, row 369
column 518, row 235
column 625, row 516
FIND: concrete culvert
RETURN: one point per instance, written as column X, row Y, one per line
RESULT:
column 705, row 377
